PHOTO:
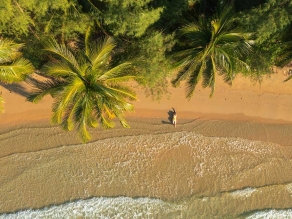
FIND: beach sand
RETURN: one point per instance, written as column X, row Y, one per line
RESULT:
column 240, row 138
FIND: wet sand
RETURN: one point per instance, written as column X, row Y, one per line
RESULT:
column 240, row 138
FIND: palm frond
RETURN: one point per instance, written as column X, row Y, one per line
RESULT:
column 58, row 69
column 212, row 78
column 82, row 128
column 224, row 19
column 16, row 71
column 115, row 91
column 123, row 121
column 229, row 38
column 123, row 91
column 184, row 72
column 61, row 51
column 9, row 50
column 192, row 52
column 99, row 53
column 194, row 79
column 114, row 72
column 225, row 63
column 64, row 100
column 69, row 118
column 106, row 123
column 189, row 28
column 207, row 73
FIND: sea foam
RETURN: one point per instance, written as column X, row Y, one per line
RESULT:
column 247, row 192
column 103, row 207
column 272, row 214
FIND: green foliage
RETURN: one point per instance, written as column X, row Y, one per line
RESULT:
column 12, row 19
column 269, row 22
column 13, row 68
column 61, row 18
column 128, row 18
column 173, row 12
column 144, row 30
column 211, row 47
column 85, row 88
column 148, row 55
column 270, row 19
column 284, row 51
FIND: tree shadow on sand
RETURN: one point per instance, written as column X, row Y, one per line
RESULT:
column 170, row 117
column 16, row 88
column 24, row 88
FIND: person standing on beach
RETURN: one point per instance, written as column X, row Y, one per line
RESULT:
column 174, row 117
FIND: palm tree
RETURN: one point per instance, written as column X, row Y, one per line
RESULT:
column 13, row 68
column 211, row 48
column 86, row 89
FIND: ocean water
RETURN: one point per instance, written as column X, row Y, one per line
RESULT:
column 165, row 175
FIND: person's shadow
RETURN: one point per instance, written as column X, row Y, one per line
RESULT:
column 170, row 117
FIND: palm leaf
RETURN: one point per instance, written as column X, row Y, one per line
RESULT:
column 118, row 91
column 207, row 74
column 58, row 69
column 61, row 51
column 82, row 128
column 194, row 79
column 189, row 28
column 114, row 72
column 99, row 53
column 212, row 76
column 68, row 95
column 69, row 116
column 15, row 72
column 9, row 50
column 106, row 123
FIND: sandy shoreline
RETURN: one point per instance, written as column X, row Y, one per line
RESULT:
column 269, row 101
column 47, row 164
column 43, row 165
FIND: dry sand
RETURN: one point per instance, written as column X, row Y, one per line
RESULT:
column 32, row 150
column 269, row 101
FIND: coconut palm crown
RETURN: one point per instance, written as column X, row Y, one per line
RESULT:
column 13, row 68
column 211, row 48
column 86, row 89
